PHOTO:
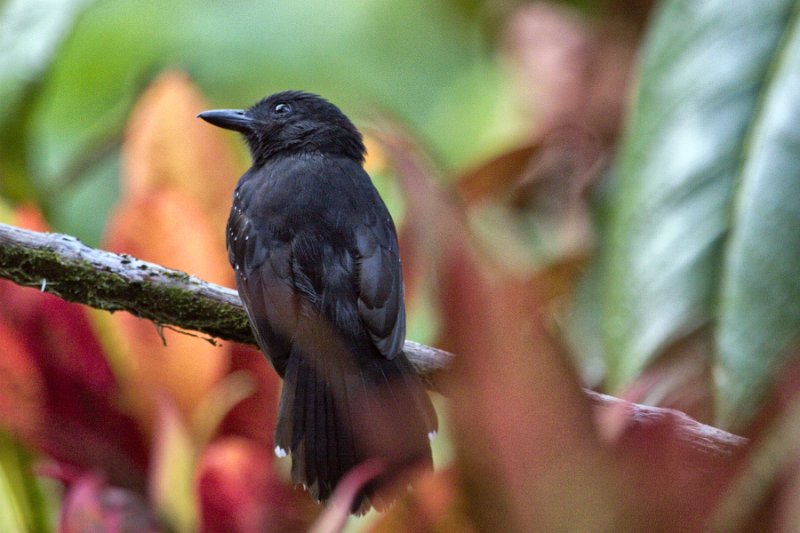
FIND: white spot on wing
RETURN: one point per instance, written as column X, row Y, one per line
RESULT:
column 431, row 435
column 280, row 452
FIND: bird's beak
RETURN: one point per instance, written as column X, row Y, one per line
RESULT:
column 230, row 119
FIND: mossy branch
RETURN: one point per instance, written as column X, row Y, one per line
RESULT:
column 64, row 266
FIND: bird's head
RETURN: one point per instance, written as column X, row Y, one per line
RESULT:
column 291, row 122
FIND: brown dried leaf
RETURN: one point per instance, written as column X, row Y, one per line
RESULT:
column 492, row 179
column 534, row 198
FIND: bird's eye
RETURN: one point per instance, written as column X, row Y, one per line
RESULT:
column 281, row 109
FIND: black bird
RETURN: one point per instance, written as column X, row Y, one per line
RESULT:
column 318, row 269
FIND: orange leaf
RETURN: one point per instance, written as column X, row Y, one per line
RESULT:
column 168, row 227
column 30, row 217
column 166, row 145
column 434, row 506
column 21, row 385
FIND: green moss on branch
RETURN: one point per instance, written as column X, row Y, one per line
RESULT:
column 64, row 266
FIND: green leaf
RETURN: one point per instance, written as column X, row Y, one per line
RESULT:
column 22, row 505
column 759, row 301
column 709, row 93
column 31, row 32
column 172, row 488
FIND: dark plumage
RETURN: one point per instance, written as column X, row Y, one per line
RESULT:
column 318, row 269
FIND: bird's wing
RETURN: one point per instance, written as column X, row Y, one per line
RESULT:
column 264, row 280
column 380, row 286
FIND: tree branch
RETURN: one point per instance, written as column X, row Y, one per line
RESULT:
column 63, row 266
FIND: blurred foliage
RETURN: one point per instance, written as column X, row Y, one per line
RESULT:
column 22, row 502
column 705, row 215
column 420, row 60
column 659, row 251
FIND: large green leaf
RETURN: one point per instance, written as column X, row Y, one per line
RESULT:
column 759, row 303
column 705, row 181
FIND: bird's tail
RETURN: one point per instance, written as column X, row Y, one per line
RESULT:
column 333, row 417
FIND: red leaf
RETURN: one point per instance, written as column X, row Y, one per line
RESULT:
column 240, row 493
column 21, row 385
column 526, row 442
column 255, row 416
column 79, row 422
